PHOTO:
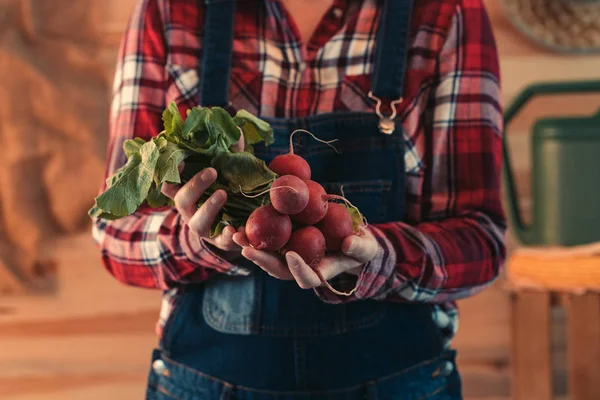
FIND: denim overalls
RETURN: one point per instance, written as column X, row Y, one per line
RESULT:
column 259, row 338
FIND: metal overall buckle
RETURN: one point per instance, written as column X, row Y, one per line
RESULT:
column 386, row 124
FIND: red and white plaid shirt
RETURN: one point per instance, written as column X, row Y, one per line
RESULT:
column 452, row 245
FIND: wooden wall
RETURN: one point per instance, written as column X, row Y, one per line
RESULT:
column 483, row 340
column 78, row 346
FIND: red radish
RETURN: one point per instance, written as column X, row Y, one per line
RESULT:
column 336, row 226
column 291, row 195
column 290, row 164
column 316, row 208
column 308, row 243
column 267, row 229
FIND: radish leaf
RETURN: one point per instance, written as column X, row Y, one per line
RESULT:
column 168, row 162
column 129, row 186
column 243, row 170
column 255, row 130
column 172, row 121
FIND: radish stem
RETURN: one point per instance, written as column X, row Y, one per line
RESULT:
column 345, row 200
column 266, row 191
column 328, row 143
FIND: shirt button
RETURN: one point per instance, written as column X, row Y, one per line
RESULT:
column 159, row 367
column 337, row 12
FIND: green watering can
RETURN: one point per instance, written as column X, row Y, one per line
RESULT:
column 565, row 173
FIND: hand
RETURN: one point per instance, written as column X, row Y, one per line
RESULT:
column 357, row 250
column 200, row 220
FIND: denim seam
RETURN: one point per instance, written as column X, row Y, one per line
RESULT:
column 438, row 390
column 328, row 392
column 309, row 332
column 167, row 393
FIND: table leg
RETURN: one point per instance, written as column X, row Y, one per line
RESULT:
column 583, row 346
column 532, row 372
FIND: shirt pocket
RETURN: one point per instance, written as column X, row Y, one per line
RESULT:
column 354, row 94
column 245, row 86
column 183, row 86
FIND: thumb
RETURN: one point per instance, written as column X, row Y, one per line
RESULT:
column 361, row 248
column 240, row 145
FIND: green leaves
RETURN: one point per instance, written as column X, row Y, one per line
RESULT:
column 202, row 140
column 255, row 130
column 172, row 121
column 221, row 125
column 168, row 162
column 357, row 217
column 243, row 170
column 129, row 186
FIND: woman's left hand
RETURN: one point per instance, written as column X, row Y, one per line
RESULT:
column 357, row 250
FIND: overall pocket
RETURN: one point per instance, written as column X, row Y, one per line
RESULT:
column 436, row 379
column 369, row 196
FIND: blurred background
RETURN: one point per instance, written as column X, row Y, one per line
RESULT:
column 67, row 329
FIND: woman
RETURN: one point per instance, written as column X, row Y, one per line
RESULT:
column 237, row 322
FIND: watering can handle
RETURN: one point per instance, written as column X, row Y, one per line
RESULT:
column 523, row 231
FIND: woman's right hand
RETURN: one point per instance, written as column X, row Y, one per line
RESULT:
column 200, row 220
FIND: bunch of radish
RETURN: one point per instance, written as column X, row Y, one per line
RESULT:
column 301, row 217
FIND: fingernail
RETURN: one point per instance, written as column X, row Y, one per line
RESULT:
column 291, row 261
column 352, row 248
column 208, row 175
column 217, row 198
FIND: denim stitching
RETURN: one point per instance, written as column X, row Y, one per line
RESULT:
column 300, row 393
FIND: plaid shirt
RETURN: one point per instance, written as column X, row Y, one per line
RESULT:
column 451, row 246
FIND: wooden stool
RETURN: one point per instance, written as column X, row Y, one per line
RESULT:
column 536, row 278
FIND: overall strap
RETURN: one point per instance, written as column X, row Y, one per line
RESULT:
column 217, row 50
column 391, row 49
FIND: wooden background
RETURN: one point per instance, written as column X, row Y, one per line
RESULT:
column 93, row 340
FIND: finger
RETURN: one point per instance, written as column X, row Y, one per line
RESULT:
column 360, row 247
column 186, row 199
column 225, row 240
column 170, row 189
column 203, row 218
column 239, row 146
column 332, row 266
column 241, row 239
column 302, row 273
column 270, row 263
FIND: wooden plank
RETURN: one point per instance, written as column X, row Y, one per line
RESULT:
column 532, row 375
column 483, row 336
column 117, row 322
column 583, row 346
column 485, row 379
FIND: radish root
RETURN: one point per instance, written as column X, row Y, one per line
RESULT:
column 328, row 286
column 345, row 200
column 266, row 191
column 328, row 143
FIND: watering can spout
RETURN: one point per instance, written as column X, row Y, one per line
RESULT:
column 530, row 234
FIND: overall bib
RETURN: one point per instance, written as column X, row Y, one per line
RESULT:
column 259, row 338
